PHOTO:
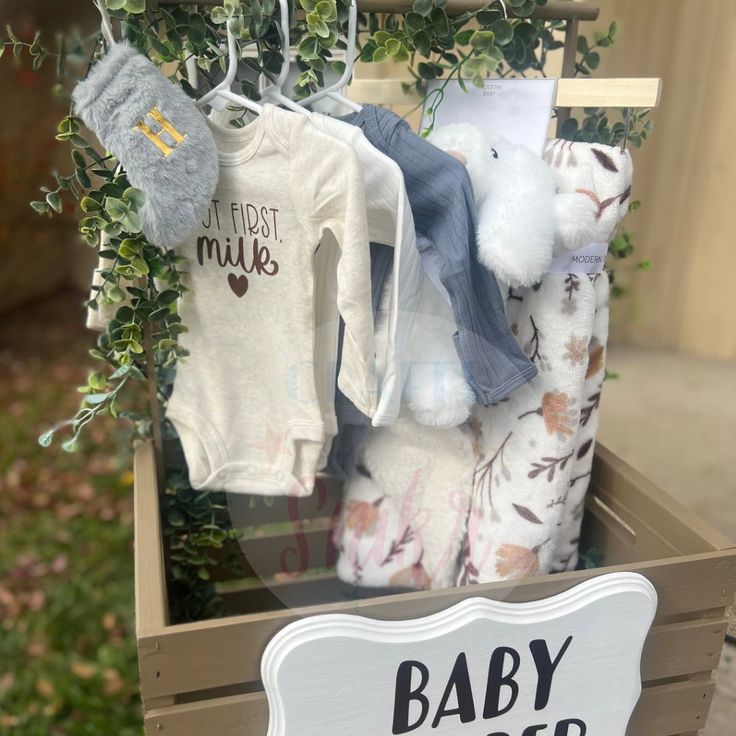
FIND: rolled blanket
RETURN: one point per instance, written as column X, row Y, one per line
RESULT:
column 404, row 514
column 537, row 446
column 527, row 443
column 566, row 547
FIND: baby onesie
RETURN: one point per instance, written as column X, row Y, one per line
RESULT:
column 390, row 222
column 244, row 400
column 442, row 202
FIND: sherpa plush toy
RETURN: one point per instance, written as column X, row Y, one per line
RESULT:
column 519, row 209
column 162, row 141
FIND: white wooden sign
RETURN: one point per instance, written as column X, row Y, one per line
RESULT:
column 565, row 666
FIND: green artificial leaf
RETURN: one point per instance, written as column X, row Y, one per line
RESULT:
column 115, row 4
column 83, row 178
column 140, row 265
column 503, row 31
column 440, row 22
column 135, row 7
column 167, row 297
column 382, row 37
column 423, row 7
column 131, row 222
column 97, row 381
column 95, row 399
column 482, row 40
column 116, row 208
column 321, row 29
column 393, row 46
column 462, row 38
column 46, row 438
column 380, row 54
column 422, row 43
column 115, row 294
column 219, row 16
column 129, row 249
column 569, row 129
column 112, row 229
column 53, row 199
column 326, row 10
column 135, row 197
column 414, row 22
column 175, row 518
column 40, row 207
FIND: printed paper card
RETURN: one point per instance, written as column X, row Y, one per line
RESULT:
column 519, row 109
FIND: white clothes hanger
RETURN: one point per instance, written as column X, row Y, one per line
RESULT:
column 106, row 25
column 273, row 91
column 222, row 90
column 334, row 91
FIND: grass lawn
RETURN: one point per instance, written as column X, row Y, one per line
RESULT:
column 67, row 641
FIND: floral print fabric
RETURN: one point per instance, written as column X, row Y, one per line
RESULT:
column 566, row 548
column 527, row 443
column 405, row 510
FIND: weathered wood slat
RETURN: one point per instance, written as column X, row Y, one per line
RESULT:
column 675, row 650
column 292, row 552
column 151, row 607
column 151, row 604
column 623, row 92
column 684, row 587
column 246, row 511
column 669, row 710
column 616, row 480
column 671, row 650
column 664, row 710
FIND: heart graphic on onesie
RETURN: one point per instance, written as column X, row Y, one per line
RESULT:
column 239, row 284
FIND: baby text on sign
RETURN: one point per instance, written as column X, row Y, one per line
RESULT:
column 499, row 696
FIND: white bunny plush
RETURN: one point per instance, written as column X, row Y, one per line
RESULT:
column 520, row 214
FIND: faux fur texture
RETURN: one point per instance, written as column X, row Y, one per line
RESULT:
column 515, row 196
column 538, row 446
column 566, row 552
column 601, row 175
column 404, row 515
column 118, row 94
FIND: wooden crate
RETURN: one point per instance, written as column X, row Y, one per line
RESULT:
column 204, row 677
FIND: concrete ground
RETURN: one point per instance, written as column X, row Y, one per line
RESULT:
column 673, row 418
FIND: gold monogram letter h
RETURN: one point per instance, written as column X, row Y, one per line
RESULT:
column 164, row 126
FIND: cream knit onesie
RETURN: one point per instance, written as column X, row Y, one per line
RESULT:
column 244, row 401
